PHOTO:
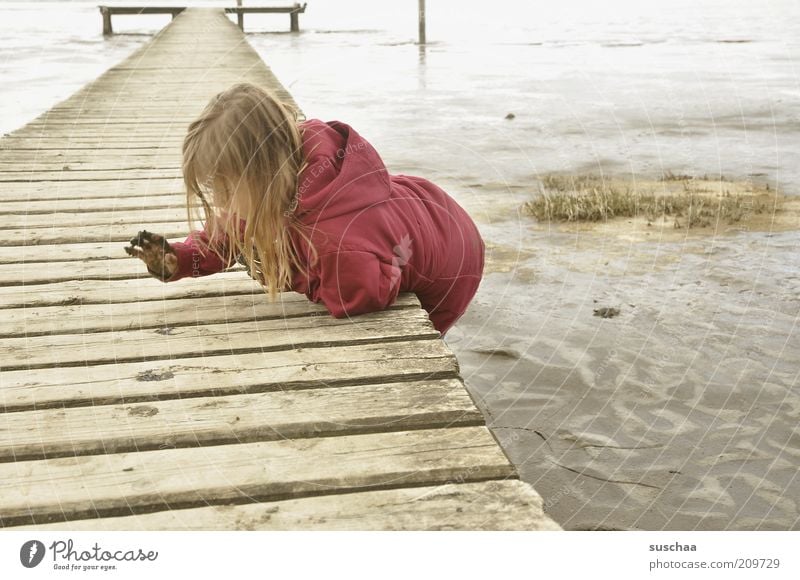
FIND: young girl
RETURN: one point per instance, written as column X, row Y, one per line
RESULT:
column 309, row 206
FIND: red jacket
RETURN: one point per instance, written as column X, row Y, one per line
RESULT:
column 376, row 234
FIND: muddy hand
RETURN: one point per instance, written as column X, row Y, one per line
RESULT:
column 155, row 252
column 254, row 273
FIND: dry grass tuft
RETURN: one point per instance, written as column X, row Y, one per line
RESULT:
column 689, row 202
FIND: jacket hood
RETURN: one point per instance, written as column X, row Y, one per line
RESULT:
column 344, row 174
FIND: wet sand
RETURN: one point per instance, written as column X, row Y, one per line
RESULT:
column 681, row 412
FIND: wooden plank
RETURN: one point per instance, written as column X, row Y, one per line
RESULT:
column 44, row 143
column 486, row 505
column 67, row 253
column 298, row 367
column 207, row 340
column 88, row 205
column 124, row 109
column 109, row 233
column 135, row 89
column 79, row 170
column 32, row 273
column 80, row 190
column 128, row 483
column 88, row 175
column 131, row 131
column 64, row 253
column 143, row 9
column 135, row 216
column 86, row 318
column 115, row 80
column 175, row 96
column 121, row 267
column 88, row 160
column 105, row 291
column 109, row 113
column 159, row 58
column 220, row 80
column 104, row 129
column 47, row 157
column 111, row 120
column 266, row 9
column 270, row 416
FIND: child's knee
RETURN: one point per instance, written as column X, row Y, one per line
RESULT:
column 443, row 320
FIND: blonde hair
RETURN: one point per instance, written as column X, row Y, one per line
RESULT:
column 247, row 139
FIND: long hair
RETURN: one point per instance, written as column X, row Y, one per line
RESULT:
column 247, row 143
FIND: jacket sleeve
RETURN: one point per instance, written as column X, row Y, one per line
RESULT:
column 355, row 282
column 192, row 262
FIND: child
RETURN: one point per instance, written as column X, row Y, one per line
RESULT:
column 322, row 215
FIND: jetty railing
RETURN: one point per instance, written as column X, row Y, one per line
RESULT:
column 293, row 11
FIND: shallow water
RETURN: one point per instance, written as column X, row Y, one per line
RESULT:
column 681, row 412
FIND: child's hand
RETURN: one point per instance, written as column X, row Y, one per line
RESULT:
column 155, row 252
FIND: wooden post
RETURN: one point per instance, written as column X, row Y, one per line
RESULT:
column 106, row 21
column 422, row 22
column 240, row 16
column 294, row 19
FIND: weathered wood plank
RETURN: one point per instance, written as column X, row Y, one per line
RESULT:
column 114, row 115
column 204, row 340
column 96, row 204
column 50, row 125
column 103, row 130
column 228, row 283
column 82, row 158
column 47, row 143
column 80, row 170
column 298, row 367
column 23, row 161
column 486, row 505
column 128, row 483
column 88, row 175
column 86, row 318
column 63, row 253
column 34, row 273
column 270, row 416
column 80, row 252
column 80, row 190
column 119, row 114
column 67, row 235
column 135, row 216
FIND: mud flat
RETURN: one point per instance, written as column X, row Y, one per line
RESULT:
column 678, row 412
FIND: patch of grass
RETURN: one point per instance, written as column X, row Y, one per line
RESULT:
column 689, row 202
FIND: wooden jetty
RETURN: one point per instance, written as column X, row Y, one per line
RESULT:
column 130, row 404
